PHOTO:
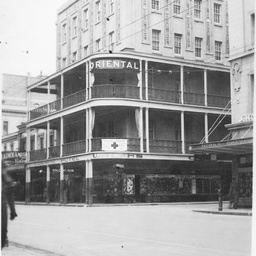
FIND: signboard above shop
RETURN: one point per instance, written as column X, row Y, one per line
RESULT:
column 13, row 157
column 127, row 64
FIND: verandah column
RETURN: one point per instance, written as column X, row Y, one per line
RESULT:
column 205, row 87
column 47, row 184
column 27, row 185
column 183, row 151
column 147, row 129
column 89, row 182
column 206, row 127
column 62, row 185
column 182, row 84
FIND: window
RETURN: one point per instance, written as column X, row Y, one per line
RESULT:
column 155, row 5
column 5, row 147
column 111, row 41
column 51, row 140
column 41, row 141
column 5, row 127
column 86, row 19
column 252, row 29
column 98, row 45
column 251, row 93
column 217, row 10
column 176, row 7
column 111, row 7
column 177, row 44
column 218, row 50
column 64, row 33
column 74, row 26
column 74, row 57
column 97, row 11
column 86, row 51
column 12, row 146
column 198, row 47
column 197, row 9
column 155, row 40
column 107, row 129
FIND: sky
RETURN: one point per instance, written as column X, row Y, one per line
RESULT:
column 28, row 36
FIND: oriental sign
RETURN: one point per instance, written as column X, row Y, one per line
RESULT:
column 114, row 64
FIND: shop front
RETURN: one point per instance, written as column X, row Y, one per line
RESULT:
column 158, row 181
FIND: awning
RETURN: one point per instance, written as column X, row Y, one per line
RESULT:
column 233, row 147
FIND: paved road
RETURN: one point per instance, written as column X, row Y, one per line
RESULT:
column 162, row 230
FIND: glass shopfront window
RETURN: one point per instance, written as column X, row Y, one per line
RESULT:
column 38, row 186
column 55, row 185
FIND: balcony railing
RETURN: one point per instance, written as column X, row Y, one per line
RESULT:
column 194, row 98
column 39, row 154
column 133, row 144
column 164, row 95
column 54, row 151
column 115, row 91
column 74, row 99
column 55, row 106
column 39, row 112
column 217, row 101
column 165, row 146
column 76, row 147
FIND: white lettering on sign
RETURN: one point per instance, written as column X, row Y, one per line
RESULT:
column 246, row 118
column 114, row 64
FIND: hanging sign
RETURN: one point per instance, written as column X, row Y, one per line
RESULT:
column 114, row 144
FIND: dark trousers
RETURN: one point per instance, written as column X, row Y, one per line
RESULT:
column 4, row 223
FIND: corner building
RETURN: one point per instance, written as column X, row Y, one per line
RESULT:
column 137, row 82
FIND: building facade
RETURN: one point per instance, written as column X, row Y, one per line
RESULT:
column 239, row 143
column 137, row 82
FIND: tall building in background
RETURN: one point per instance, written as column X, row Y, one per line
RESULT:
column 239, row 143
column 137, row 82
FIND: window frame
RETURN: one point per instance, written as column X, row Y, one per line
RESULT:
column 217, row 13
column 86, row 19
column 218, row 50
column 98, row 11
column 97, row 45
column 198, row 47
column 111, row 41
column 64, row 33
column 198, row 9
column 155, row 5
column 111, row 6
column 178, row 45
column 176, row 7
column 156, row 40
column 74, row 26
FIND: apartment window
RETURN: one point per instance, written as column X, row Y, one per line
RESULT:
column 12, row 146
column 177, row 44
column 74, row 26
column 5, row 127
column 252, row 29
column 98, row 45
column 64, row 33
column 251, row 93
column 155, row 40
column 86, row 51
column 217, row 13
column 155, row 5
column 98, row 11
column 111, row 41
column 218, row 50
column 198, row 47
column 197, row 9
column 74, row 57
column 51, row 140
column 176, row 7
column 41, row 141
column 86, row 19
column 5, row 147
column 111, row 7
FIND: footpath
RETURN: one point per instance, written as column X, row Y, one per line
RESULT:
column 15, row 249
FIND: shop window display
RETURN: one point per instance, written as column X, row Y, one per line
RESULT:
column 38, row 186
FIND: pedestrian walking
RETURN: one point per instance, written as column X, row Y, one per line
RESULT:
column 8, row 186
column 233, row 194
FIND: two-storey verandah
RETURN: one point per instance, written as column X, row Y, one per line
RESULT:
column 147, row 107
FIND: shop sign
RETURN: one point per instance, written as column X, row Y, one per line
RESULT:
column 68, row 160
column 247, row 118
column 114, row 144
column 115, row 64
column 65, row 170
column 14, row 157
